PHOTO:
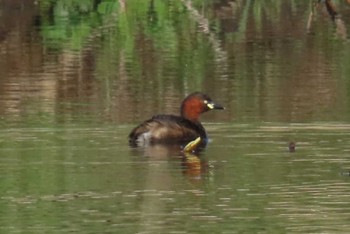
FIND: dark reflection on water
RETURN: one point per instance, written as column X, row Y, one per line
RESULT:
column 266, row 69
column 75, row 77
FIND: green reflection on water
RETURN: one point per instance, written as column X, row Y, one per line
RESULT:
column 86, row 179
column 70, row 85
column 245, row 52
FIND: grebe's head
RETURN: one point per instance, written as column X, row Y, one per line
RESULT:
column 195, row 104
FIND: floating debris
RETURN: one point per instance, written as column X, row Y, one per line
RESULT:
column 291, row 147
column 345, row 173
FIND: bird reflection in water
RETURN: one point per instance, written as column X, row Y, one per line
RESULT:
column 193, row 165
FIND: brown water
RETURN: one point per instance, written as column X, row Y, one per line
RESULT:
column 76, row 77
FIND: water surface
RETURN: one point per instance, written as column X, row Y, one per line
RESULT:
column 76, row 77
column 88, row 180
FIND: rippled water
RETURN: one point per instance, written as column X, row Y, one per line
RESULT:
column 77, row 76
column 87, row 179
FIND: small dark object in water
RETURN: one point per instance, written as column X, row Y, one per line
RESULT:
column 291, row 147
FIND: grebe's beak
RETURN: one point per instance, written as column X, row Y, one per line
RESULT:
column 212, row 106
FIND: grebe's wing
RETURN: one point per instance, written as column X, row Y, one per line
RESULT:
column 166, row 129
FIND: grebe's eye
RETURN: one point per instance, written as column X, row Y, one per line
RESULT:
column 210, row 105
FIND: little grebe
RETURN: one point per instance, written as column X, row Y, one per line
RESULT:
column 175, row 129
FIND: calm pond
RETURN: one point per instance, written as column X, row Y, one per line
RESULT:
column 77, row 76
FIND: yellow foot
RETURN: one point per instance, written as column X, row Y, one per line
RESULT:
column 192, row 145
